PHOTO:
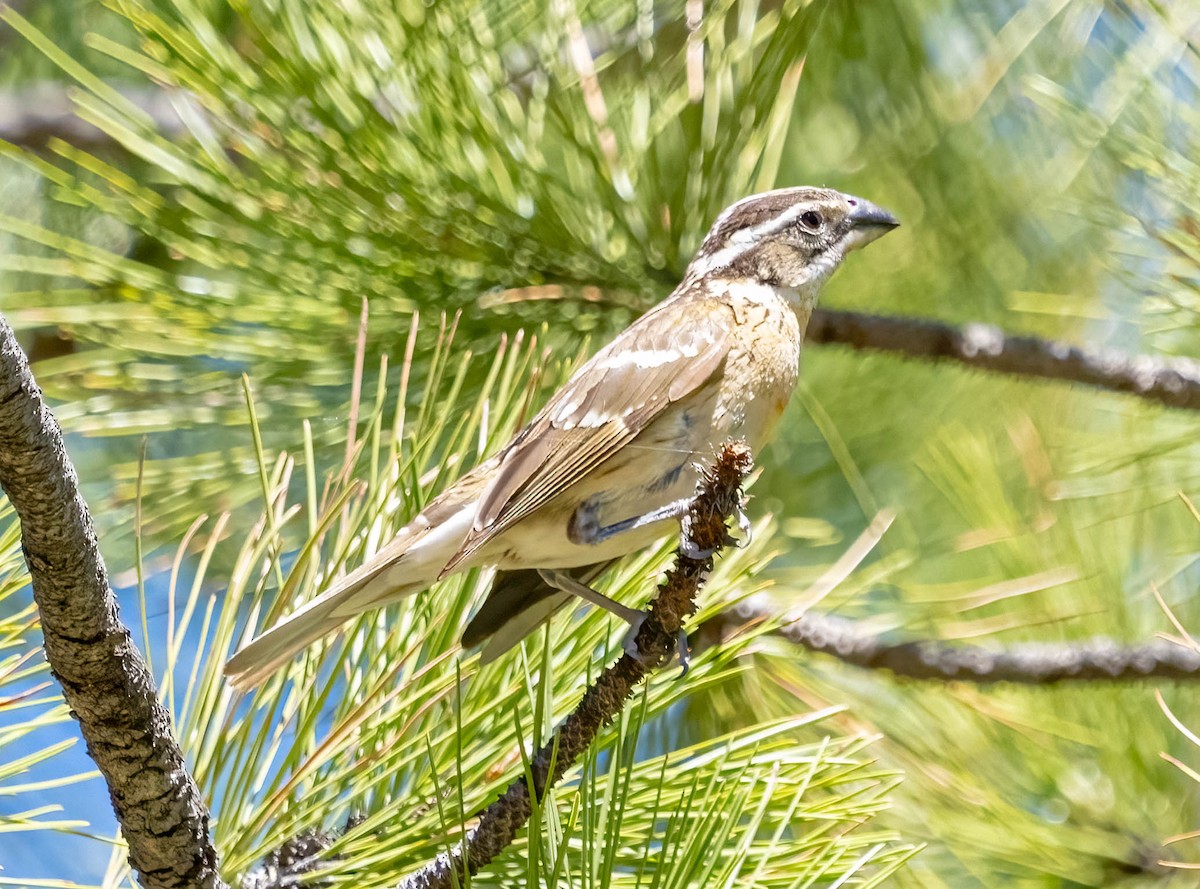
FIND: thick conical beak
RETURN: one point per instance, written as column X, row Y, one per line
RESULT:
column 868, row 223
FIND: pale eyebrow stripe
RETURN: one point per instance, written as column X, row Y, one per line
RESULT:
column 744, row 240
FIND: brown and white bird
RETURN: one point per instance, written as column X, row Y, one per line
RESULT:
column 608, row 464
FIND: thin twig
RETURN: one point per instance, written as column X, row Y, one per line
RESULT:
column 718, row 498
column 1174, row 382
column 111, row 693
column 1096, row 660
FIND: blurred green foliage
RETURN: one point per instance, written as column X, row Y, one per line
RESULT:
column 1042, row 156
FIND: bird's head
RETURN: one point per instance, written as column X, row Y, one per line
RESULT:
column 791, row 237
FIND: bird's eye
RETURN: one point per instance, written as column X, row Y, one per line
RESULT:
column 811, row 219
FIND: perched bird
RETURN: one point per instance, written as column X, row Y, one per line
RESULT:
column 608, row 463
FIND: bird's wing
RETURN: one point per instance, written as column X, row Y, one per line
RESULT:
column 666, row 354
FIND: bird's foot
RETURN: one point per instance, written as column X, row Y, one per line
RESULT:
column 681, row 645
column 564, row 582
column 586, row 528
column 747, row 529
column 689, row 548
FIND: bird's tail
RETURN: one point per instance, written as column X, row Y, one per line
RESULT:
column 263, row 655
column 406, row 566
column 411, row 562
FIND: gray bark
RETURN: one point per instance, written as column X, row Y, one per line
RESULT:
column 104, row 679
column 1174, row 382
column 1050, row 663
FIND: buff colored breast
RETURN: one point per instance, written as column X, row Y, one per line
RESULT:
column 658, row 467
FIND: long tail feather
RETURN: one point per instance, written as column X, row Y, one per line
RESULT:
column 410, row 563
column 265, row 654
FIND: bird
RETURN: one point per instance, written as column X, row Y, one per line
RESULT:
column 611, row 461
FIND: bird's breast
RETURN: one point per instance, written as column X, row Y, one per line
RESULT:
column 744, row 399
column 763, row 363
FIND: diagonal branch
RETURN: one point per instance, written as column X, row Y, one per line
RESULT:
column 718, row 498
column 103, row 677
column 1174, row 382
column 1096, row 660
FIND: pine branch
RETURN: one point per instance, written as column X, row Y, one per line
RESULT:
column 718, row 498
column 104, row 679
column 1097, row 660
column 1174, row 382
